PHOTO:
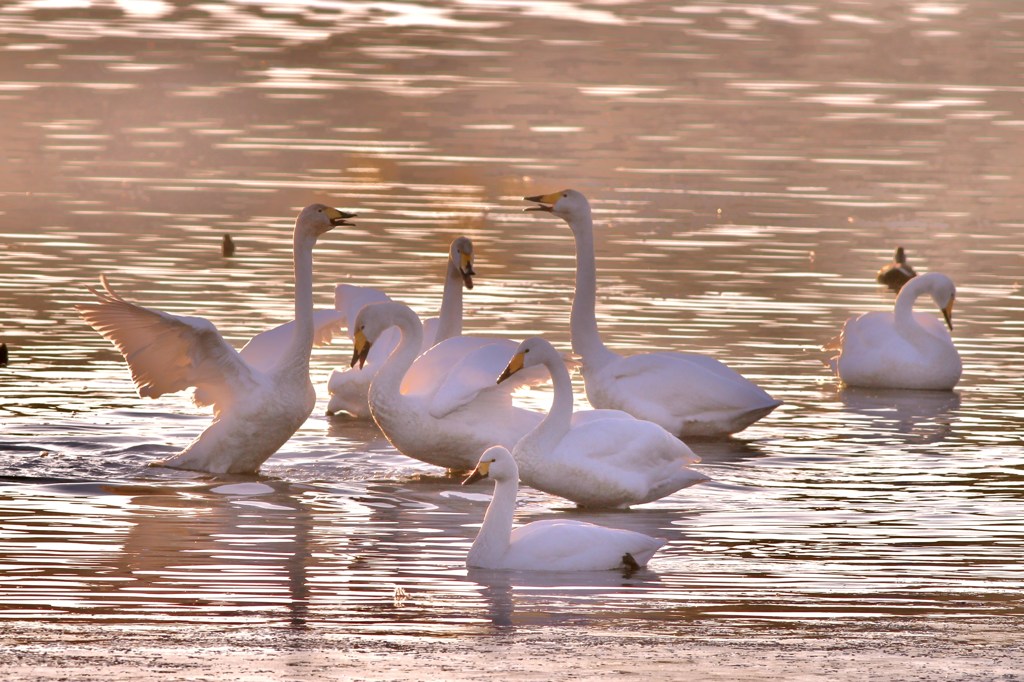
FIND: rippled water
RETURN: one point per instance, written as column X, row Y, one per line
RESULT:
column 750, row 166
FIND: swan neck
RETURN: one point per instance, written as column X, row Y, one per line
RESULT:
column 495, row 534
column 386, row 385
column 586, row 339
column 903, row 311
column 449, row 320
column 557, row 422
column 302, row 342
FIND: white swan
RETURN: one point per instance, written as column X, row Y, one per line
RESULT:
column 902, row 349
column 449, row 409
column 255, row 410
column 596, row 458
column 686, row 393
column 897, row 273
column 550, row 545
column 347, row 387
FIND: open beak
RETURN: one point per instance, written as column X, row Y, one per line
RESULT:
column 340, row 218
column 947, row 313
column 360, row 349
column 477, row 474
column 466, row 268
column 546, row 202
column 514, row 365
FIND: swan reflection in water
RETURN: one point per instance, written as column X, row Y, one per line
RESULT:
column 926, row 416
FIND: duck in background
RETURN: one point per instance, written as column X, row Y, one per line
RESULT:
column 897, row 273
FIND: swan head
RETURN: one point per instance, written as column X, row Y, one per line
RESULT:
column 568, row 204
column 461, row 257
column 318, row 219
column 533, row 351
column 370, row 323
column 938, row 286
column 496, row 463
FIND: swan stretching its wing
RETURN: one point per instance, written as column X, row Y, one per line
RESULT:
column 450, row 409
column 596, row 458
column 686, row 393
column 897, row 273
column 256, row 408
column 902, row 349
column 348, row 388
column 551, row 545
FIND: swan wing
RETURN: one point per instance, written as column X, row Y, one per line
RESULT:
column 168, row 353
column 566, row 544
column 349, row 299
column 264, row 350
column 458, row 370
column 681, row 384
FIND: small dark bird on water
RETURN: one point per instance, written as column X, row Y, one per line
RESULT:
column 227, row 246
column 897, row 273
column 3, row 354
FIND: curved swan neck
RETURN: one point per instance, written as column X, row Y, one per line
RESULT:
column 558, row 420
column 387, row 383
column 495, row 535
column 449, row 319
column 302, row 343
column 903, row 311
column 586, row 339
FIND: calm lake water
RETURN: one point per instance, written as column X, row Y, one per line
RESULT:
column 750, row 166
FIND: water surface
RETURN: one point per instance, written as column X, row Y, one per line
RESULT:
column 750, row 168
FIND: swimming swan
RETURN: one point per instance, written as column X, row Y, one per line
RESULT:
column 688, row 394
column 448, row 409
column 256, row 410
column 902, row 349
column 348, row 387
column 596, row 458
column 550, row 545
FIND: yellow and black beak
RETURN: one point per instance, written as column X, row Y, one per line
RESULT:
column 478, row 473
column 947, row 313
column 546, row 202
column 339, row 218
column 466, row 268
column 514, row 365
column 361, row 348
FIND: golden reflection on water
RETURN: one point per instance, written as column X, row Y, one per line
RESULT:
column 750, row 169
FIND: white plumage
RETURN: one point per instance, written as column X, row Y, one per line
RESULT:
column 902, row 349
column 551, row 545
column 446, row 409
column 686, row 393
column 596, row 458
column 257, row 405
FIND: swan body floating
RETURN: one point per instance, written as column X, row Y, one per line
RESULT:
column 897, row 273
column 256, row 408
column 349, row 388
column 446, row 409
column 688, row 394
column 596, row 458
column 550, row 545
column 902, row 349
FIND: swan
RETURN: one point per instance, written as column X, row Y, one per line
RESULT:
column 902, row 349
column 550, row 545
column 596, row 458
column 449, row 409
column 897, row 273
column 348, row 388
column 688, row 394
column 256, row 410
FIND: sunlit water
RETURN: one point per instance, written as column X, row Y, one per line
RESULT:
column 750, row 166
